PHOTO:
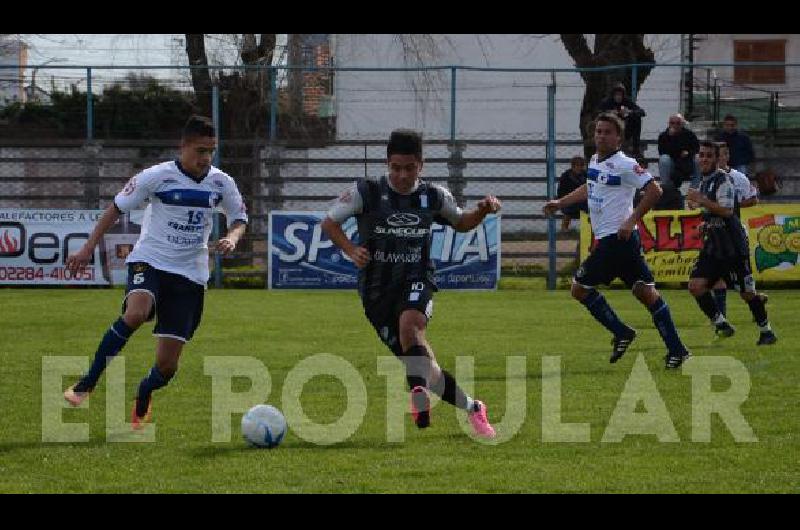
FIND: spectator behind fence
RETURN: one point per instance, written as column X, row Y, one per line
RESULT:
column 677, row 157
column 739, row 145
column 630, row 113
column 569, row 181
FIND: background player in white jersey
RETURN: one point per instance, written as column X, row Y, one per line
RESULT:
column 168, row 267
column 612, row 181
column 746, row 195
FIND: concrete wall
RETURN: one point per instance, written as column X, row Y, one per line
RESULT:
column 489, row 104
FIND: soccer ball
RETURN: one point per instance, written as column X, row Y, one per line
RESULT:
column 263, row 426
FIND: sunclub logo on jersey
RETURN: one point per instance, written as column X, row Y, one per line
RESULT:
column 402, row 231
column 403, row 219
column 402, row 225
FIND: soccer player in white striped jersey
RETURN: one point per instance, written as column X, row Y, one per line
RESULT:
column 747, row 196
column 168, row 267
column 611, row 184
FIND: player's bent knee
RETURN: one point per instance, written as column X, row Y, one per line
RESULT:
column 168, row 370
column 136, row 317
column 644, row 292
column 697, row 288
column 579, row 292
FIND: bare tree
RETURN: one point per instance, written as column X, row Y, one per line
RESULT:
column 609, row 49
column 201, row 77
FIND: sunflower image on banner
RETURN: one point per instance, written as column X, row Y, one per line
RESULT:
column 775, row 242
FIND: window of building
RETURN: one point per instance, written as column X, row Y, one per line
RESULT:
column 760, row 51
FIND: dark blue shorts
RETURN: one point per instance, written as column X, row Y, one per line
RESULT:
column 177, row 301
column 614, row 258
column 384, row 312
column 735, row 271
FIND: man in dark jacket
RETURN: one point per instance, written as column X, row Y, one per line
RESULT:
column 629, row 112
column 739, row 145
column 571, row 180
column 677, row 155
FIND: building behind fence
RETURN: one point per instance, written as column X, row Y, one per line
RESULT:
column 487, row 131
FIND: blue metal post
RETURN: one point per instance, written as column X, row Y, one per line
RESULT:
column 216, row 229
column 273, row 111
column 89, row 107
column 551, row 179
column 452, row 104
column 634, row 82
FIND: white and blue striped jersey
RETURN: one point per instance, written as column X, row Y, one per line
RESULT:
column 744, row 189
column 611, row 185
column 178, row 220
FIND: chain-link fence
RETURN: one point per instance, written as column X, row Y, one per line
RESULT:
column 293, row 138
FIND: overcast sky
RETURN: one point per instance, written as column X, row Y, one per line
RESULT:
column 119, row 50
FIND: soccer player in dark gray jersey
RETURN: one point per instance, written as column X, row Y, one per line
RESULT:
column 726, row 252
column 396, row 283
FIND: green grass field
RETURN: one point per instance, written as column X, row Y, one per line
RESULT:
column 281, row 328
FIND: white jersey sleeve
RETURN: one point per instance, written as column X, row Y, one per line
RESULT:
column 232, row 203
column 137, row 190
column 634, row 175
column 744, row 190
column 348, row 204
column 450, row 208
column 726, row 193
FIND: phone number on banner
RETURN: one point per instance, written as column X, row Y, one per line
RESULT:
column 39, row 273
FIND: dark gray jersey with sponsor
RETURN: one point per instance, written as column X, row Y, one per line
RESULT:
column 725, row 236
column 396, row 230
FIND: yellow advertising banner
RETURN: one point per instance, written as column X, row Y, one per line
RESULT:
column 671, row 241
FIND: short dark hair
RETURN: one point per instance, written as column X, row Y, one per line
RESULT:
column 612, row 118
column 711, row 145
column 198, row 126
column 730, row 117
column 405, row 142
column 577, row 159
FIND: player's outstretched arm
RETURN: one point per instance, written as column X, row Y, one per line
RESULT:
column 359, row 255
column 78, row 260
column 579, row 195
column 227, row 244
column 469, row 220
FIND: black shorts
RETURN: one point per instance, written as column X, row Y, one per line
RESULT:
column 614, row 258
column 383, row 311
column 177, row 301
column 736, row 272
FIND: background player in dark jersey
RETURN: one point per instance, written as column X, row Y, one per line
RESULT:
column 396, row 273
column 726, row 251
column 746, row 196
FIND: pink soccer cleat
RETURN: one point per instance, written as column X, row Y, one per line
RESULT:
column 420, row 407
column 480, row 422
column 137, row 423
column 75, row 398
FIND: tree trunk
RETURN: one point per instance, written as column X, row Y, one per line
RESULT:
column 201, row 77
column 609, row 49
column 296, row 42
